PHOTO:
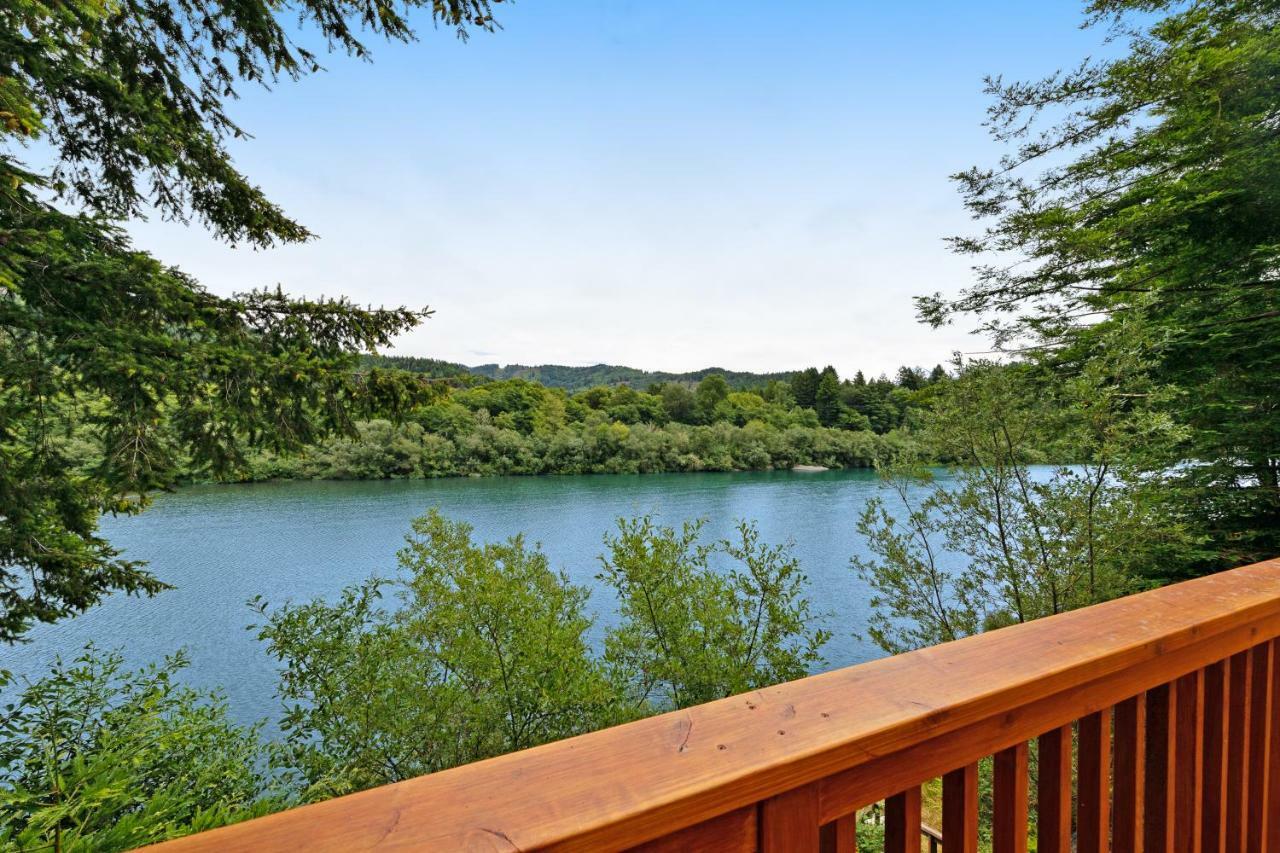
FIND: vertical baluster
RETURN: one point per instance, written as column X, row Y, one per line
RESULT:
column 1259, row 739
column 1187, row 767
column 1093, row 772
column 1213, row 814
column 1130, row 760
column 960, row 810
column 1009, row 820
column 789, row 822
column 840, row 836
column 1273, row 769
column 1053, row 792
column 1239, row 684
column 1159, row 812
column 902, row 822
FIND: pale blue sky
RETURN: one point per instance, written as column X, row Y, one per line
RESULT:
column 668, row 185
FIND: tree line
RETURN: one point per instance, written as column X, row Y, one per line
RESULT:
column 516, row 426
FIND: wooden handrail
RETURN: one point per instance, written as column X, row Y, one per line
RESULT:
column 786, row 768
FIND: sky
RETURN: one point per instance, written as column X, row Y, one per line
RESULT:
column 669, row 185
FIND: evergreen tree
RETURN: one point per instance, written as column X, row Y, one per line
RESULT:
column 804, row 387
column 1145, row 219
column 910, row 378
column 827, row 398
column 130, row 99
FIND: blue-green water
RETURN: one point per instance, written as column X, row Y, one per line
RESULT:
column 221, row 545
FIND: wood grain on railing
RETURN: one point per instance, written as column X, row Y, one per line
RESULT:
column 1170, row 697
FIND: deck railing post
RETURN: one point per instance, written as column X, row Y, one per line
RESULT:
column 1009, row 820
column 1130, row 774
column 1053, row 792
column 1159, row 814
column 1188, row 767
column 1093, row 772
column 1239, row 686
column 902, row 822
column 1272, row 797
column 960, row 810
column 1261, row 721
column 1214, row 790
column 789, row 822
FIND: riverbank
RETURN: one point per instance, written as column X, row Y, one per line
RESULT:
column 382, row 450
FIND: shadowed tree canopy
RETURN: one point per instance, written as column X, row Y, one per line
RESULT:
column 1137, row 211
column 129, row 98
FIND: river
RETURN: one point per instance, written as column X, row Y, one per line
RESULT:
column 221, row 545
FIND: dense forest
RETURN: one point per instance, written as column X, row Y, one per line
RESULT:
column 473, row 426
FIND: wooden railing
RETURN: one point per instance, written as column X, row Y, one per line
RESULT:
column 1155, row 719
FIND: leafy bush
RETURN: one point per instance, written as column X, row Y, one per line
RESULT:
column 485, row 653
column 692, row 631
column 485, row 649
column 97, row 758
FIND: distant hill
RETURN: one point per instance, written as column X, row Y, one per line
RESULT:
column 578, row 378
column 571, row 378
column 432, row 367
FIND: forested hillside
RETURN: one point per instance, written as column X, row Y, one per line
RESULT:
column 473, row 426
column 581, row 378
column 573, row 379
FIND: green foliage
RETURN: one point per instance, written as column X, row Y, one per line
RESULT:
column 102, row 345
column 432, row 368
column 519, row 427
column 707, row 397
column 96, row 758
column 1136, row 208
column 692, row 631
column 485, row 650
column 96, row 335
column 575, row 379
column 870, row 836
column 804, row 387
column 485, row 653
column 677, row 402
column 471, row 651
column 132, row 95
column 1032, row 546
column 158, row 377
column 826, row 398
